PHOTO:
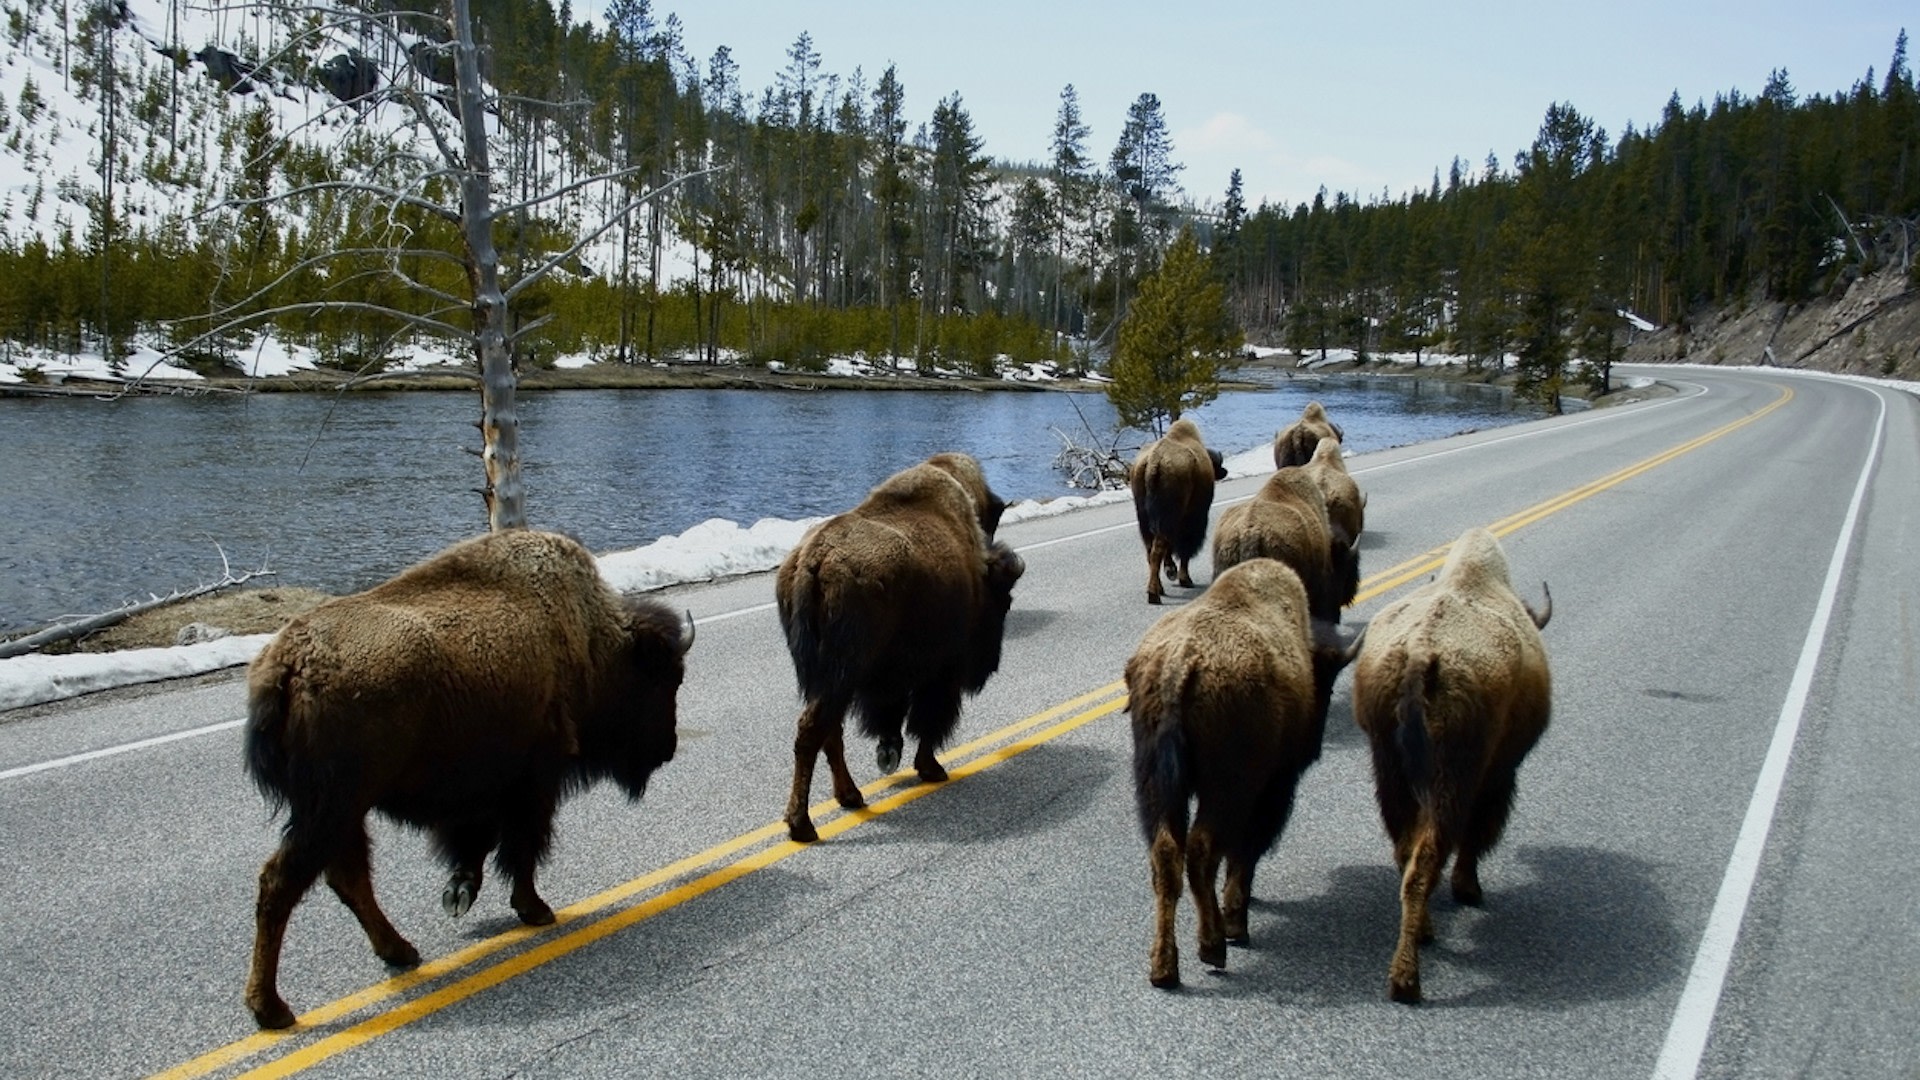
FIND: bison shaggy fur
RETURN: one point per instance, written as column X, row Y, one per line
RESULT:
column 1172, row 481
column 1452, row 690
column 1228, row 697
column 1287, row 520
column 466, row 696
column 894, row 610
column 1346, row 504
column 1295, row 443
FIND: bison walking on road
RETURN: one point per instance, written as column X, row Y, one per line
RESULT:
column 1452, row 690
column 1172, row 481
column 1295, row 443
column 1229, row 700
column 466, row 696
column 1287, row 520
column 894, row 610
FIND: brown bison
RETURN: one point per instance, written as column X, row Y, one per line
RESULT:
column 1295, row 443
column 894, row 609
column 1229, row 702
column 467, row 696
column 1287, row 520
column 1172, row 481
column 1346, row 504
column 1452, row 690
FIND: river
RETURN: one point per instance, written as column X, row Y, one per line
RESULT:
column 106, row 501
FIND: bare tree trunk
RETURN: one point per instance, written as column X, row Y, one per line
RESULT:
column 499, row 416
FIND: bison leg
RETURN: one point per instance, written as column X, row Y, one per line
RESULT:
column 523, row 844
column 350, row 876
column 1203, row 869
column 1265, row 821
column 1484, row 826
column 463, row 846
column 1165, row 856
column 1416, row 886
column 820, row 723
column 1186, row 578
column 883, row 720
column 1156, row 554
column 936, row 711
column 285, row 878
column 845, row 791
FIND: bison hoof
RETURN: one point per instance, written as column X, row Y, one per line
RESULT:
column 852, row 800
column 1467, row 893
column 271, row 1014
column 1166, row 980
column 457, row 898
column 802, row 831
column 931, row 771
column 1214, row 954
column 887, row 755
column 1153, row 598
column 534, row 912
column 1406, row 993
column 400, row 953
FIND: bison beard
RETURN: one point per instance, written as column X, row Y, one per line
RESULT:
column 894, row 610
column 467, row 696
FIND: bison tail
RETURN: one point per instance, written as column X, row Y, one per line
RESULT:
column 1416, row 747
column 818, row 640
column 266, row 745
column 1162, row 781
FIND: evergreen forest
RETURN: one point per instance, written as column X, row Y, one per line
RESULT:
column 815, row 217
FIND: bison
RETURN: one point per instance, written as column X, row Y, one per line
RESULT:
column 1172, row 480
column 466, row 696
column 894, row 610
column 1287, row 520
column 1452, row 690
column 1228, row 697
column 1346, row 504
column 1295, row 443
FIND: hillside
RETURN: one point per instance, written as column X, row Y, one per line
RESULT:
column 1869, row 327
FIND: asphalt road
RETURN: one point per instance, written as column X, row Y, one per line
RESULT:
column 998, row 924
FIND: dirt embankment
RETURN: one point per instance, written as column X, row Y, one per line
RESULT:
column 1871, row 327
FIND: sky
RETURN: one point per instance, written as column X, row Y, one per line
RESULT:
column 1361, row 97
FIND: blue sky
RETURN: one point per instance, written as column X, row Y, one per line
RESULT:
column 1356, row 96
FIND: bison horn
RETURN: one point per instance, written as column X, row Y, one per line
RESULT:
column 1546, row 612
column 686, row 634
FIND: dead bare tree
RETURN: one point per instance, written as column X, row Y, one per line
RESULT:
column 436, row 79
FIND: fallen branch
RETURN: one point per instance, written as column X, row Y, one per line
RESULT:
column 68, row 631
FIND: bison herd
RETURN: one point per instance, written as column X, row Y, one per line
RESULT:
column 472, row 693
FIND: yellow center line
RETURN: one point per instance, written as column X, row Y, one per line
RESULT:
column 428, row 1004
column 571, row 941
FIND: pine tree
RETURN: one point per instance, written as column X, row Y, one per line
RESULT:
column 1174, row 340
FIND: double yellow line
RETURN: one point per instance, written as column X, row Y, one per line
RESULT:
column 698, row 874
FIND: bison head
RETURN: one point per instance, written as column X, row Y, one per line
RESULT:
column 1004, row 567
column 1219, row 464
column 634, row 731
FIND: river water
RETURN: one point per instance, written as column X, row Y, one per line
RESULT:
column 102, row 502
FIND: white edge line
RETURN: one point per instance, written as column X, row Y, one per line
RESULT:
column 91, row 755
column 123, row 748
column 1693, row 1018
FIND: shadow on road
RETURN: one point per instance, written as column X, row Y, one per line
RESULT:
column 1562, row 927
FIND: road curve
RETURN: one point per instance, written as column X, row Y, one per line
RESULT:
column 1703, row 874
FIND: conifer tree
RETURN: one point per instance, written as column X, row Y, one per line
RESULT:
column 1175, row 338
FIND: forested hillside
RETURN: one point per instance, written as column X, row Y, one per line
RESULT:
column 168, row 169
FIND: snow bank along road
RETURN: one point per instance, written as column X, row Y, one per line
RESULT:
column 1705, row 874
